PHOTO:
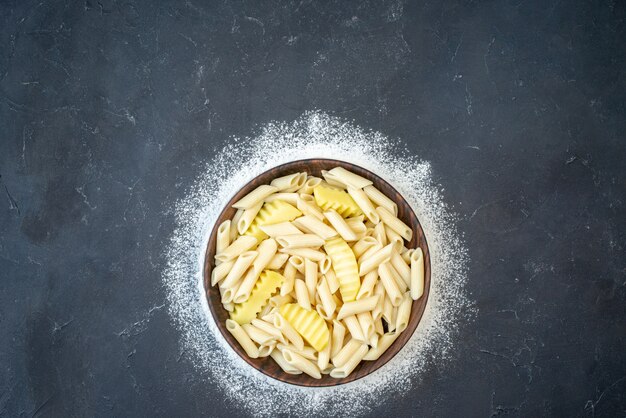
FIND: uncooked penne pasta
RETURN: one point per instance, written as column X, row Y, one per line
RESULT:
column 396, row 276
column 324, row 356
column 348, row 178
column 242, row 338
column 297, row 262
column 358, row 306
column 406, row 255
column 332, row 180
column 239, row 246
column 365, row 204
column 325, row 265
column 248, row 216
column 395, row 223
column 291, row 198
column 277, row 301
column 299, row 362
column 223, row 237
column 417, row 274
column 288, row 331
column 376, row 259
column 388, row 312
column 310, row 253
column 310, row 277
column 255, row 196
column 350, row 365
column 391, row 287
column 357, row 226
column 312, row 225
column 302, row 294
column 353, row 326
column 367, row 285
column 286, row 182
column 346, row 353
column 379, row 199
column 266, row 349
column 301, row 180
column 277, row 261
column 384, row 342
column 379, row 290
column 279, row 229
column 404, row 312
column 300, row 241
column 340, row 225
column 269, row 329
column 378, row 326
column 280, row 360
column 307, row 352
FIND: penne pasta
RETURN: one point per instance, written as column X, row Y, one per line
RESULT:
column 417, row 274
column 358, row 306
column 401, row 267
column 365, row 204
column 340, row 225
column 280, row 360
column 279, row 229
column 376, row 259
column 269, row 329
column 300, row 241
column 277, row 261
column 350, row 365
column 353, row 326
column 302, row 295
column 255, row 196
column 266, row 350
column 343, row 176
column 235, row 274
column 384, row 342
column 324, row 356
column 306, row 204
column 394, row 223
column 312, row 225
column 288, row 331
column 379, row 290
column 331, row 278
column 258, row 336
column 379, row 234
column 324, row 265
column 310, row 184
column 367, row 285
column 338, row 335
column 291, row 198
column 287, row 182
column 406, row 255
column 303, row 253
column 221, row 271
column 394, row 237
column 223, row 237
column 332, row 180
column 362, row 245
column 346, row 353
column 378, row 327
column 266, row 251
column 357, row 226
column 328, row 303
column 367, row 324
column 301, row 363
column 297, row 262
column 391, row 287
column 237, row 247
column 302, row 177
column 307, row 352
column 404, row 312
column 290, row 278
column 233, row 225
column 379, row 199
column 310, row 277
column 242, row 338
column 248, row 216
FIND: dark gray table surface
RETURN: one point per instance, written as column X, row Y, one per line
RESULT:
column 109, row 109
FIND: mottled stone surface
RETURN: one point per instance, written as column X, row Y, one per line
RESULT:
column 109, row 109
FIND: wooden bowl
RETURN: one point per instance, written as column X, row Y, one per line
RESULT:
column 267, row 365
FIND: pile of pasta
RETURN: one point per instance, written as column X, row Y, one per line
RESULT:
column 315, row 272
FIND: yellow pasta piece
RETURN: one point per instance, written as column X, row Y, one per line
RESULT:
column 265, row 287
column 308, row 323
column 346, row 268
column 339, row 200
column 273, row 212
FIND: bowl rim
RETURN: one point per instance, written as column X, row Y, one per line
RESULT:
column 283, row 377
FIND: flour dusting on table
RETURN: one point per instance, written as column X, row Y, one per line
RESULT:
column 315, row 134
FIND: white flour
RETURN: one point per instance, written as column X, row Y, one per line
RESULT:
column 315, row 134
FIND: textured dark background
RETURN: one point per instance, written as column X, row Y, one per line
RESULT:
column 109, row 109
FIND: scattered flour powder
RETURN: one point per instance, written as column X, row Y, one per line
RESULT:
column 315, row 134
